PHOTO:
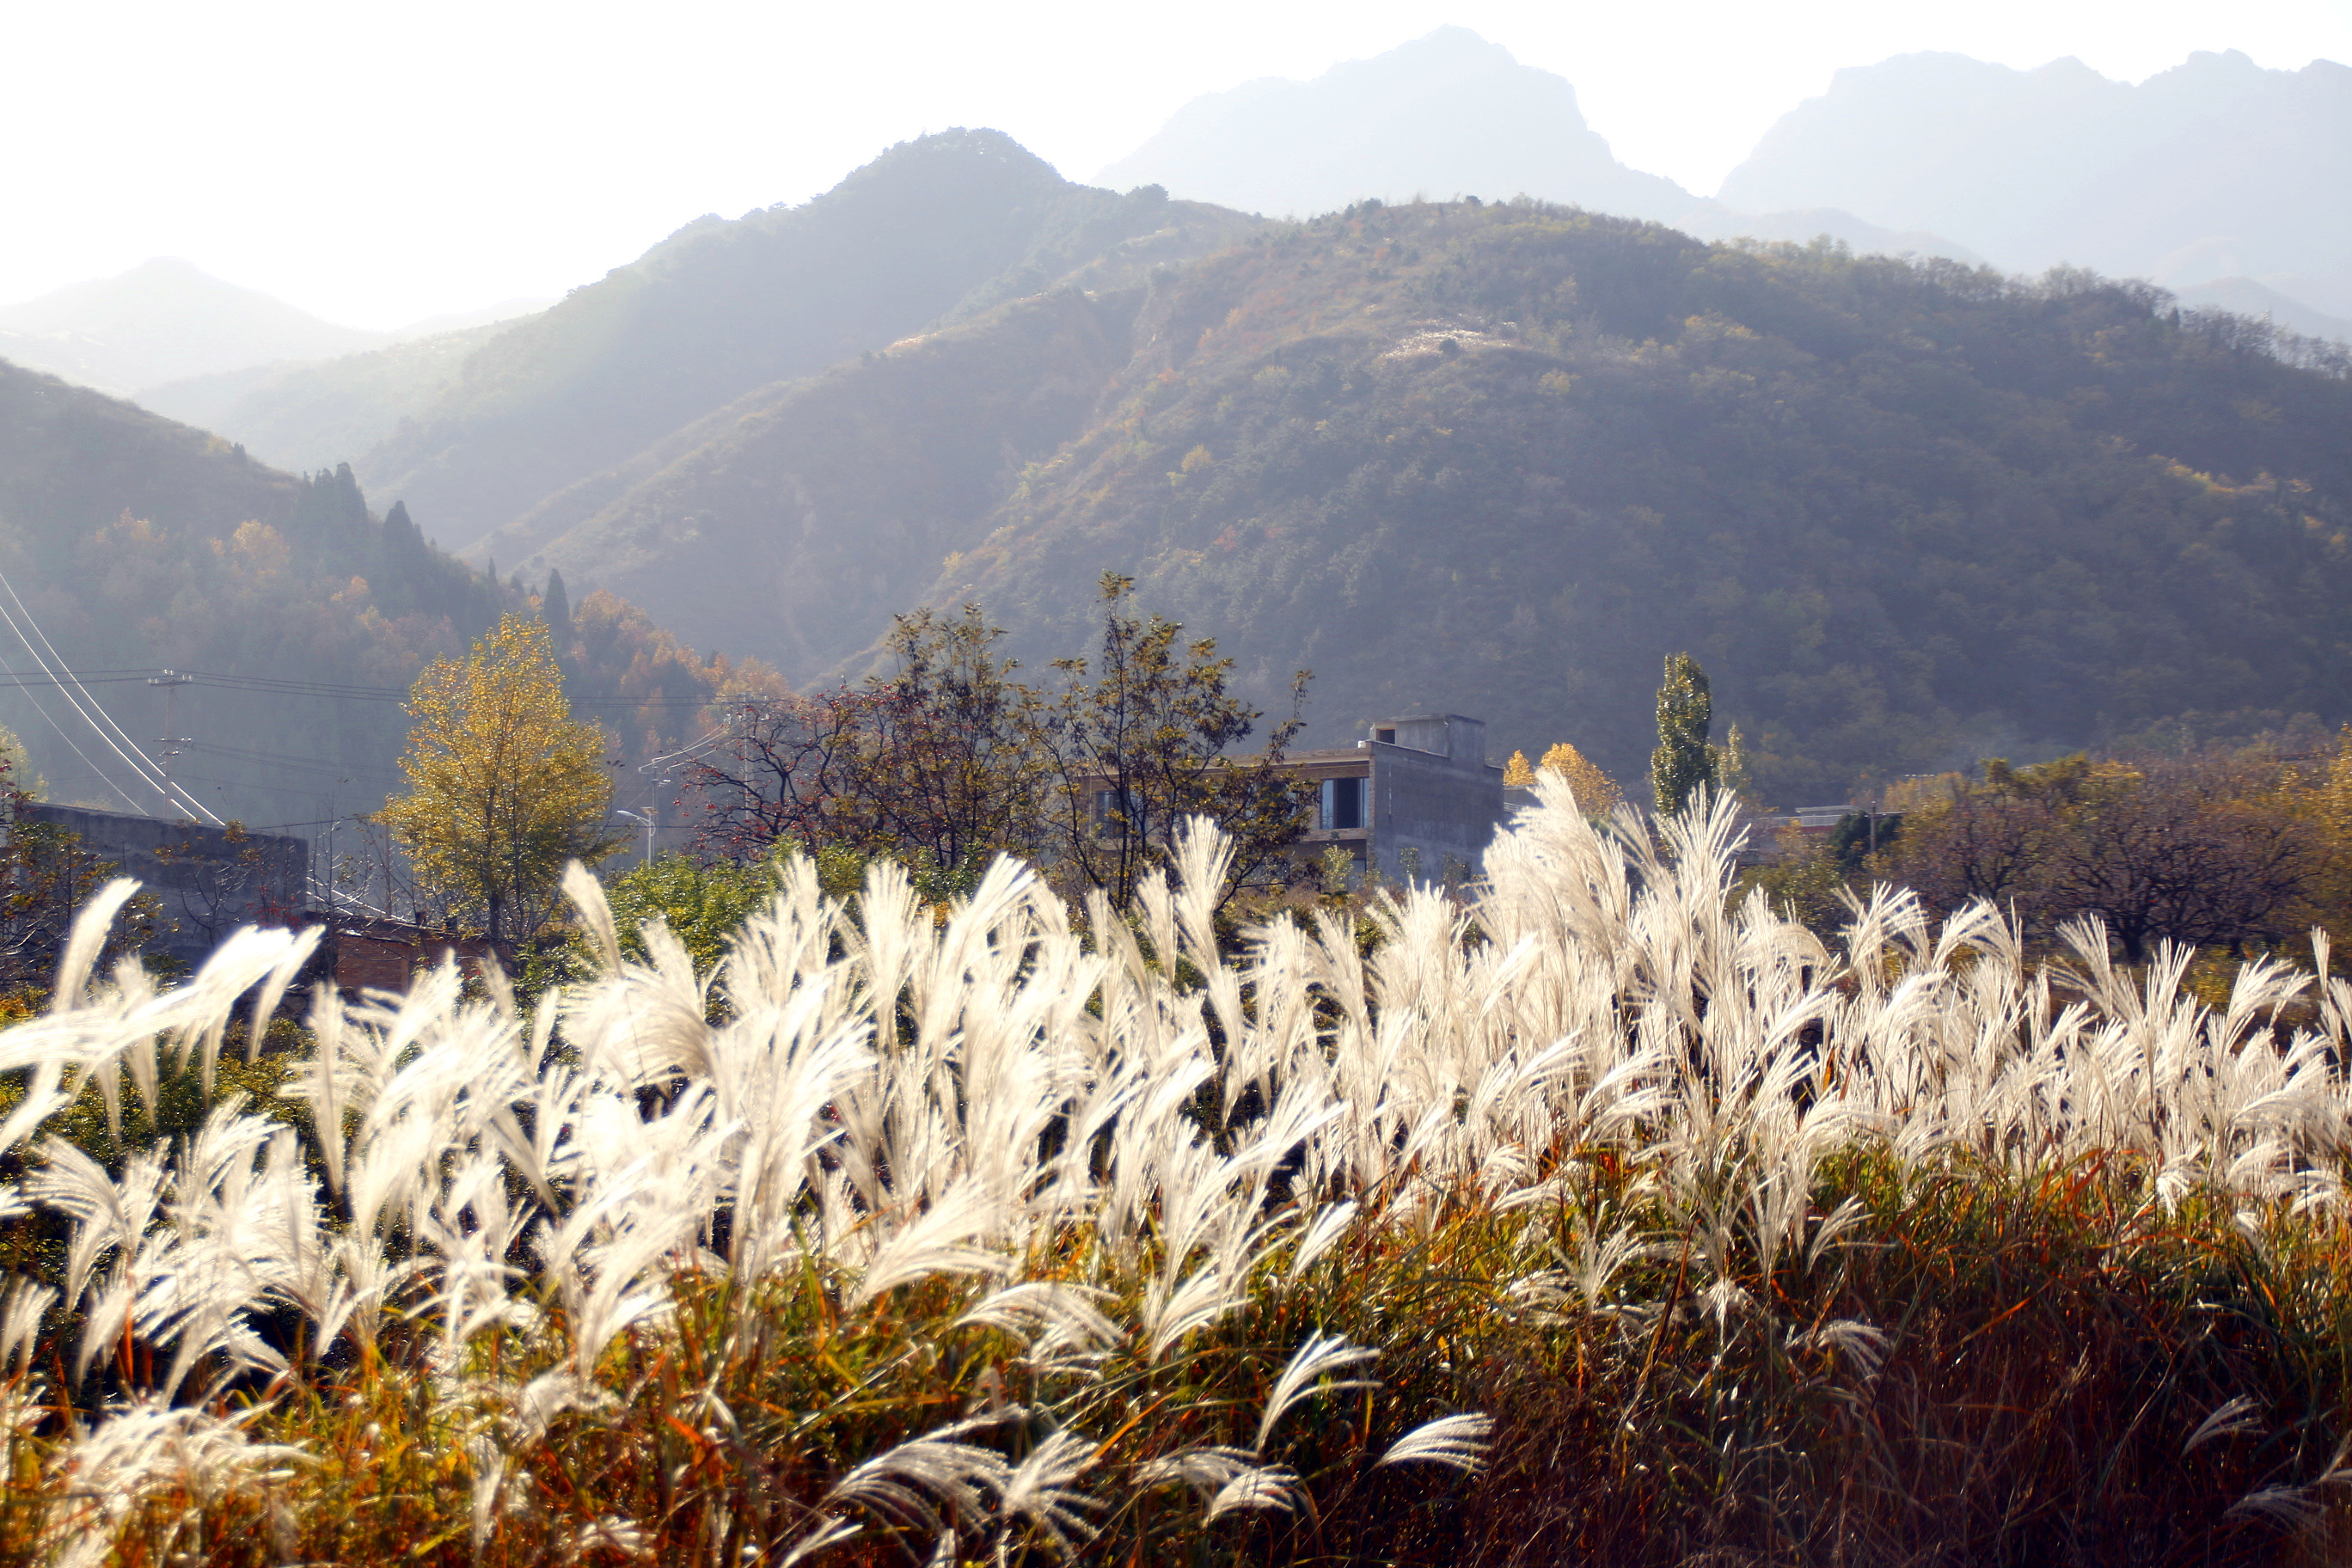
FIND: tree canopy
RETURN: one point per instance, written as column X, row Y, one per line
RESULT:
column 505, row 786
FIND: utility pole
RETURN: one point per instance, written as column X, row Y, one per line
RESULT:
column 170, row 680
column 330, row 849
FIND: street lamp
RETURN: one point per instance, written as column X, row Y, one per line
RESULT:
column 647, row 822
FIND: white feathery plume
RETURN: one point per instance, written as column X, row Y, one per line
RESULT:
column 88, row 937
column 1323, row 1356
column 1054, row 1317
column 1038, row 1489
column 1457, row 1442
column 1321, row 1235
column 1264, row 1488
column 2233, row 1418
column 144, row 1448
column 904, row 1485
column 21, row 1307
column 933, row 1242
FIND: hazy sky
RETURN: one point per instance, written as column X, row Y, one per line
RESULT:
column 377, row 163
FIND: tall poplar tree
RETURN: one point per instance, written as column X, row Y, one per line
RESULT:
column 1684, row 765
column 505, row 786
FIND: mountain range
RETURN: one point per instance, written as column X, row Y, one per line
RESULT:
column 1477, row 455
column 1441, row 117
column 1501, row 460
column 165, row 321
column 2216, row 169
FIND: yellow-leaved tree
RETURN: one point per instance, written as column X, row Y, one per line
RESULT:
column 1596, row 793
column 505, row 787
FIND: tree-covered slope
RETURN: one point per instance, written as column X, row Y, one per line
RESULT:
column 1500, row 460
column 1093, row 243
column 723, row 308
column 136, row 544
column 1904, row 515
column 795, row 522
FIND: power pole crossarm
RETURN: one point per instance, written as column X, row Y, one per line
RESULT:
column 170, row 680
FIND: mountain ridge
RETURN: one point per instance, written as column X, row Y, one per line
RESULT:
column 2214, row 168
column 168, row 320
column 723, row 308
column 1497, row 459
column 1439, row 117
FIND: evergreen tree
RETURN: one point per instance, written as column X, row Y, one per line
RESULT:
column 555, row 608
column 1684, row 766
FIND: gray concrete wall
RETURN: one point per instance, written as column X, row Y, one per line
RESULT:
column 209, row 884
column 1434, row 793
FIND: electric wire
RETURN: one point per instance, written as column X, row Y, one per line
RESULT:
column 153, row 774
column 64, row 734
column 288, row 760
column 341, row 691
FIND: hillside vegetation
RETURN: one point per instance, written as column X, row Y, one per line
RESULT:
column 1500, row 459
column 135, row 543
column 724, row 307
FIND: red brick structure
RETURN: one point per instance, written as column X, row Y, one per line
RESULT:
column 368, row 954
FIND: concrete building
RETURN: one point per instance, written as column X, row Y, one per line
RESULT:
column 1417, row 796
column 209, row 880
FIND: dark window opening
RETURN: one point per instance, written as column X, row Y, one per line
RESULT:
column 1343, row 803
column 1385, row 737
column 1111, row 806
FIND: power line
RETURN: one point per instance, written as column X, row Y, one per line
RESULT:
column 343, row 692
column 64, row 734
column 288, row 760
column 107, row 778
column 153, row 774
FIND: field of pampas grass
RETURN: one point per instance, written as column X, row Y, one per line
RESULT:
column 1601, row 1219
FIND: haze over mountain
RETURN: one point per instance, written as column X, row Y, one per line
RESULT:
column 165, row 320
column 1443, row 116
column 1500, row 459
column 304, row 415
column 953, row 221
column 2215, row 169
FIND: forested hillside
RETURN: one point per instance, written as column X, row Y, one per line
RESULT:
column 1500, row 459
column 135, row 543
column 962, row 218
column 803, row 518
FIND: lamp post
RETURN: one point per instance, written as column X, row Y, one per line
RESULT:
column 647, row 822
